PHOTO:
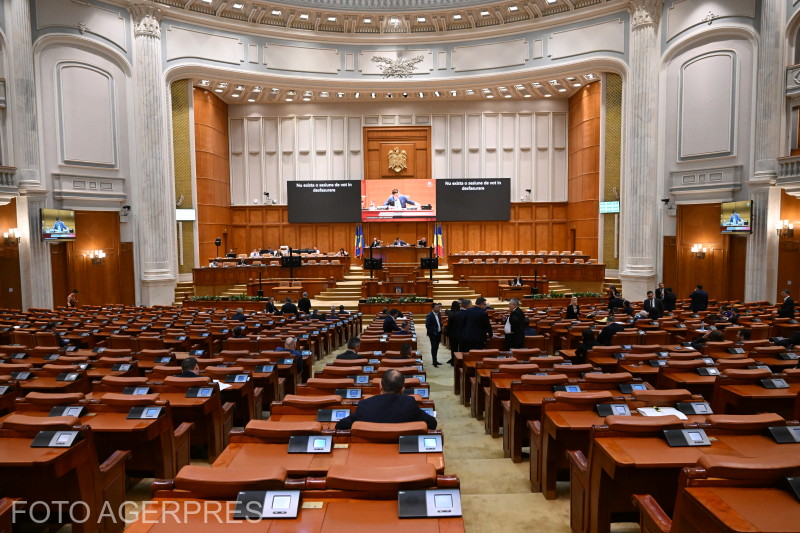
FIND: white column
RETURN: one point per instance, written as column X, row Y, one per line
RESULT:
column 762, row 246
column 639, row 237
column 154, row 206
column 34, row 255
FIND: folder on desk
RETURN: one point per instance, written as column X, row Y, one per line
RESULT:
column 661, row 411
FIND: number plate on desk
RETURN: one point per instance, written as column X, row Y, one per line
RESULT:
column 55, row 439
column 310, row 443
column 332, row 415
column 609, row 409
column 349, row 394
column 144, row 413
column 420, row 443
column 775, row 383
column 694, row 408
column 200, row 392
column 627, row 388
column 265, row 368
column 433, row 503
column 252, row 505
column 686, row 437
column 68, row 376
column 136, row 391
column 785, row 434
column 68, row 410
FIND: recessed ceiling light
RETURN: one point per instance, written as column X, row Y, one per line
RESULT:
column 367, row 21
column 205, row 83
column 274, row 90
column 576, row 84
column 218, row 90
column 470, row 92
column 536, row 84
column 237, row 5
column 552, row 1
column 303, row 16
column 276, row 12
column 331, row 19
column 389, row 95
column 224, row 84
column 324, row 94
column 526, row 95
column 485, row 90
column 519, row 87
column 562, row 90
column 235, row 95
column 421, row 19
column 357, row 95
column 394, row 21
column 506, row 96
column 340, row 95
column 548, row 95
column 570, row 78
column 489, row 96
column 308, row 93
column 553, row 82
column 421, row 95
column 372, row 95
column 306, row 99
column 257, row 89
column 513, row 8
column 484, row 13
column 240, row 87
column 437, row 93
column 456, row 17
column 207, row 1
column 589, row 76
column 453, row 93
column 291, row 93
column 251, row 99
column 502, row 88
column 290, row 99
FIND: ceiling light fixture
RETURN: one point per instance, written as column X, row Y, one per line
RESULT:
column 453, row 93
column 389, row 95
column 257, row 89
column 367, row 21
column 513, row 8
column 456, row 17
column 437, row 93
column 291, row 93
column 218, row 90
column 470, row 92
column 331, row 19
column 506, row 96
column 484, row 13
column 489, row 96
column 394, row 21
column 274, row 90
column 306, row 99
column 421, row 19
column 276, row 12
column 236, row 95
column 237, row 5
column 340, row 95
column 324, row 94
column 251, row 99
column 421, row 95
column 372, row 95
column 526, row 95
column 205, row 83
column 357, row 95
column 548, row 95
column 303, row 16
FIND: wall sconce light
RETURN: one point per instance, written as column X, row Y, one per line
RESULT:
column 699, row 251
column 785, row 229
column 11, row 237
column 97, row 256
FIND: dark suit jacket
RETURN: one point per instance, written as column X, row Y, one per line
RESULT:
column 390, row 325
column 660, row 293
column 607, row 333
column 476, row 325
column 387, row 408
column 434, row 328
column 304, row 304
column 787, row 308
column 454, row 324
column 699, row 300
column 349, row 354
column 297, row 355
column 289, row 308
column 573, row 312
column 670, row 298
column 654, row 311
column 239, row 316
column 187, row 375
column 516, row 339
column 270, row 308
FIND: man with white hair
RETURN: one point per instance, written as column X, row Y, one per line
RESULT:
column 290, row 345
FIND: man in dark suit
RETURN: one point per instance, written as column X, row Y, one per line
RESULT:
column 476, row 329
column 189, row 368
column 288, row 307
column 433, row 323
column 699, row 299
column 390, row 406
column 455, row 321
column 515, row 326
column 660, row 291
column 353, row 343
column 304, row 304
column 654, row 306
column 239, row 315
column 269, row 307
column 390, row 322
column 606, row 335
column 670, row 300
column 290, row 345
column 399, row 242
column 787, row 307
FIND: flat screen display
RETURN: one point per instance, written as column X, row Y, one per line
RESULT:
column 58, row 225
column 479, row 199
column 442, row 501
column 392, row 200
column 695, row 436
column 736, row 218
column 281, row 502
column 429, row 442
column 323, row 201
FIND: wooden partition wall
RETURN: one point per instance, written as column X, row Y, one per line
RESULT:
column 108, row 282
column 584, row 169
column 415, row 141
column 10, row 282
column 721, row 271
column 789, row 248
column 532, row 226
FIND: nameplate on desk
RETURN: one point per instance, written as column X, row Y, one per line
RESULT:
column 681, row 326
column 85, row 334
column 200, row 392
column 736, row 351
column 657, row 362
column 708, row 371
column 368, row 368
column 305, row 352
column 422, row 392
column 420, row 443
column 19, row 355
column 310, row 443
column 433, row 503
column 197, row 353
column 71, row 348
column 349, row 394
column 55, row 439
column 237, row 378
column 626, row 347
column 785, row 434
column 286, row 361
column 788, row 356
column 360, row 379
column 83, row 366
column 265, row 368
column 374, row 361
column 565, row 388
column 51, row 357
column 662, row 355
column 68, row 410
column 627, row 388
column 759, row 367
column 225, row 331
column 162, row 360
column 792, row 484
column 774, row 383
column 121, row 367
column 376, row 352
column 332, row 415
column 777, row 340
column 707, row 360
column 305, row 336
column 68, row 376
column 204, row 335
column 98, row 350
column 694, row 408
column 608, row 409
column 5, row 389
column 619, row 356
column 420, row 369
column 144, row 413
column 252, row 505
column 315, row 332
column 420, row 377
column 429, row 410
column 686, row 437
column 136, row 391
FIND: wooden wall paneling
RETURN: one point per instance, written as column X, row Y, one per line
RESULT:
column 97, row 283
column 415, row 140
column 670, row 255
column 10, row 280
column 127, row 274
column 59, row 266
column 699, row 224
column 736, row 267
column 789, row 249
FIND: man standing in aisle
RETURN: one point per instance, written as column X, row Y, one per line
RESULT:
column 699, row 299
column 514, row 328
column 654, row 306
column 304, row 304
column 477, row 328
column 433, row 323
column 787, row 307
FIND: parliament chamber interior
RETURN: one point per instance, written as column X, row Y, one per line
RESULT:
column 430, row 265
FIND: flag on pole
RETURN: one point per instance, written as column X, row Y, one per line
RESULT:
column 438, row 240
column 359, row 240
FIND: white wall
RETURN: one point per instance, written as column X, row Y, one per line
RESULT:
column 272, row 144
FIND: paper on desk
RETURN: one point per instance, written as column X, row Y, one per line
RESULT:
column 222, row 385
column 661, row 411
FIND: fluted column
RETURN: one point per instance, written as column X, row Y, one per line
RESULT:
column 34, row 255
column 639, row 235
column 154, row 207
column 762, row 246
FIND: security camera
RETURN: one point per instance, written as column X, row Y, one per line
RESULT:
column 126, row 207
column 528, row 190
column 665, row 200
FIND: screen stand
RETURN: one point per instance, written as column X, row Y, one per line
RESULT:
column 430, row 256
column 260, row 288
column 370, row 262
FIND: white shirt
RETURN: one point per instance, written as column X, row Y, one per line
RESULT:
column 438, row 324
column 507, row 328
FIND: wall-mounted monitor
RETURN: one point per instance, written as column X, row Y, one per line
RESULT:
column 395, row 200
column 323, row 201
column 58, row 225
column 478, row 199
column 736, row 218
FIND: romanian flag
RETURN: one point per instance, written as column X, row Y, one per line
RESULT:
column 438, row 240
column 359, row 240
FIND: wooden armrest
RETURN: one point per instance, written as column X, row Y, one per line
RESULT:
column 653, row 518
column 535, row 427
column 115, row 461
column 183, row 429
column 578, row 460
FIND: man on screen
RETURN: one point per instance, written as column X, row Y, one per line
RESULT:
column 59, row 227
column 398, row 200
column 735, row 219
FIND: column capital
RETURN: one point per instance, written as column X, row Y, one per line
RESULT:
column 645, row 13
column 146, row 19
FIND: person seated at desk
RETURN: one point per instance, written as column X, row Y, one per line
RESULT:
column 314, row 315
column 342, row 253
column 398, row 201
column 290, row 345
column 390, row 406
column 353, row 344
column 743, row 335
column 238, row 332
column 405, row 352
column 588, row 342
column 405, row 329
column 288, row 307
column 607, row 333
column 390, row 322
column 343, row 311
column 712, row 335
column 239, row 315
column 213, row 264
column 422, row 242
column 231, row 254
column 269, row 307
column 573, row 309
column 189, row 368
column 517, row 281
column 375, row 243
column 399, row 242
column 255, row 253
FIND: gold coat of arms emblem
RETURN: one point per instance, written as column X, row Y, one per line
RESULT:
column 397, row 159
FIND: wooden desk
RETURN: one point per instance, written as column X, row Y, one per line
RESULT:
column 393, row 255
column 208, row 276
column 553, row 272
column 455, row 258
column 524, row 405
column 750, row 399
